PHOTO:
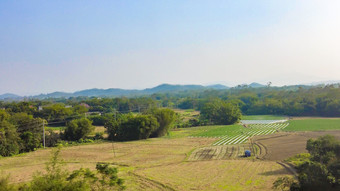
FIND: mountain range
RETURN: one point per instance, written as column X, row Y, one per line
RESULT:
column 116, row 92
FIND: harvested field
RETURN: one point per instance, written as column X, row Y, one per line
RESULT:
column 155, row 164
column 218, row 175
column 282, row 145
column 221, row 152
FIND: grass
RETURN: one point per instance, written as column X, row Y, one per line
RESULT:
column 262, row 117
column 213, row 131
column 314, row 124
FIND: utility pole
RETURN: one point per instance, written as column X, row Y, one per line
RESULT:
column 44, row 132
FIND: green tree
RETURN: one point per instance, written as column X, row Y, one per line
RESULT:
column 55, row 112
column 131, row 127
column 78, row 129
column 165, row 117
column 220, row 112
column 322, row 170
column 9, row 139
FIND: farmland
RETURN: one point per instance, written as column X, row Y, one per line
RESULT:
column 313, row 124
column 236, row 134
column 197, row 158
column 156, row 164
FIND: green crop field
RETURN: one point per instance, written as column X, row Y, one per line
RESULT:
column 314, row 124
column 236, row 134
column 262, row 117
column 217, row 131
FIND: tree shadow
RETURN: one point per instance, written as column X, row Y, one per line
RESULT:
column 282, row 171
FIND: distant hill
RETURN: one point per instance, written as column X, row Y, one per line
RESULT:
column 256, row 85
column 9, row 96
column 53, row 95
column 116, row 92
column 172, row 88
column 218, row 86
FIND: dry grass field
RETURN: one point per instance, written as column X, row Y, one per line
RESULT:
column 156, row 164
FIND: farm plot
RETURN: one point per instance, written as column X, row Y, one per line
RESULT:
column 221, row 152
column 237, row 134
column 243, row 134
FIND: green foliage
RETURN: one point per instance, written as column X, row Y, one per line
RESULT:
column 51, row 138
column 284, row 183
column 324, row 149
column 165, row 118
column 78, row 129
column 58, row 179
column 79, row 109
column 220, row 112
column 4, row 115
column 99, row 119
column 9, row 139
column 25, row 122
column 129, row 127
column 320, row 170
column 5, row 185
column 299, row 159
column 138, row 127
column 315, row 176
column 109, row 176
column 30, row 141
column 55, row 112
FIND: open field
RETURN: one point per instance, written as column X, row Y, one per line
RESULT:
column 282, row 145
column 313, row 124
column 156, row 164
column 187, row 113
column 177, row 162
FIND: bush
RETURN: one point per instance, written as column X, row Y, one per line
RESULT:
column 58, row 179
column 9, row 139
column 78, row 129
column 131, row 127
column 220, row 113
column 165, row 119
column 4, row 184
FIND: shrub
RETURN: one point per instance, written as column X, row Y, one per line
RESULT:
column 78, row 129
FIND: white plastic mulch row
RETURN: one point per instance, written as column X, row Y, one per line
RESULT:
column 255, row 129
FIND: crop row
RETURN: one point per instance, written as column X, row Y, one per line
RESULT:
column 243, row 135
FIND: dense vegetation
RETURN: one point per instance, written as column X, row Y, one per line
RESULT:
column 320, row 170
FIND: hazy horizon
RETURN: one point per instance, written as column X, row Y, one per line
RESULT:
column 68, row 46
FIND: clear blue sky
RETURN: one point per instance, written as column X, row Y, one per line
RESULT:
column 48, row 46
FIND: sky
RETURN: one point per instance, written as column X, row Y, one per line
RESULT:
column 48, row 46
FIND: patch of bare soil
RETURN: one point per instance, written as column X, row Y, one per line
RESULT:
column 222, row 152
column 283, row 145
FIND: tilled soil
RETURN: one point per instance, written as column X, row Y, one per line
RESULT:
column 283, row 145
